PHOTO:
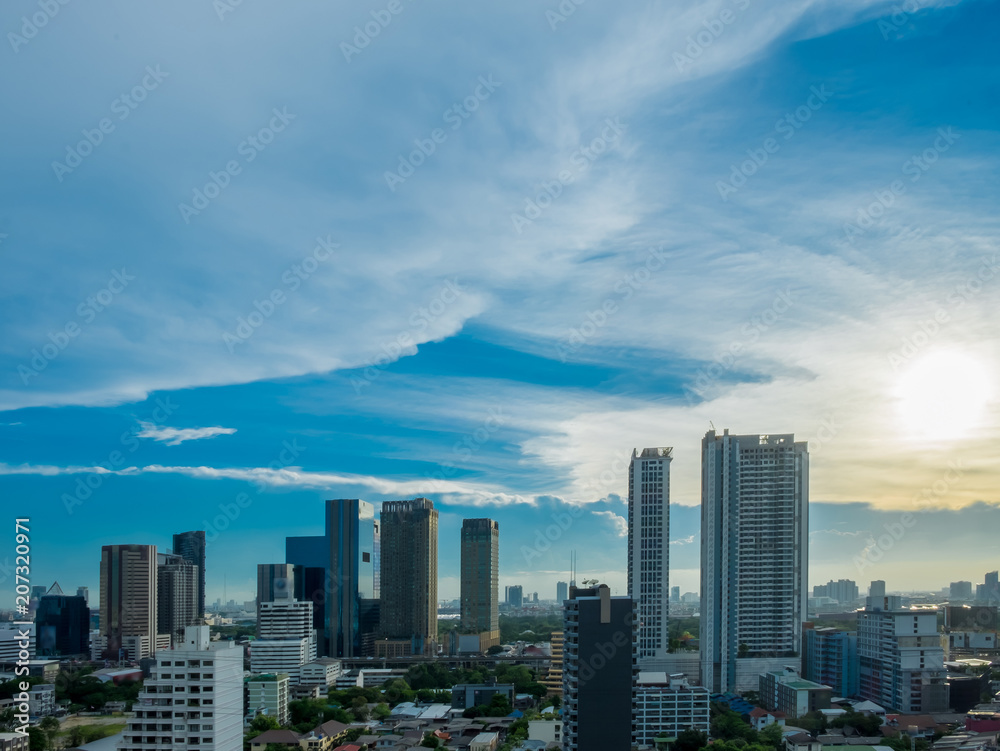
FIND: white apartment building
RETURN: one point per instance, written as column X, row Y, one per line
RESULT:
column 649, row 549
column 13, row 642
column 193, row 699
column 901, row 658
column 322, row 672
column 754, row 556
column 665, row 705
column 281, row 656
column 42, row 700
column 268, row 694
column 285, row 619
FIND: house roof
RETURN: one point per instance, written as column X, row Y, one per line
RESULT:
column 278, row 736
column 331, row 728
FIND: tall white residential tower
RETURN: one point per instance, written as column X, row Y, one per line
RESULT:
column 754, row 556
column 649, row 549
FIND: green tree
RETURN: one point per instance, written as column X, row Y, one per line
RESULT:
column 771, row 736
column 430, row 741
column 38, row 739
column 729, row 726
column 264, row 722
column 690, row 740
column 381, row 711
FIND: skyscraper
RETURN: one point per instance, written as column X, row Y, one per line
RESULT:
column 337, row 573
column 191, row 547
column 598, row 671
column 515, row 595
column 649, row 548
column 176, row 595
column 128, row 599
column 562, row 592
column 62, row 624
column 275, row 581
column 481, row 579
column 877, row 589
column 409, row 573
column 754, row 556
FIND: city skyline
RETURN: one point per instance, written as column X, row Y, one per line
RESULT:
column 618, row 240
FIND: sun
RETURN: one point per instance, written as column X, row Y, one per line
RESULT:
column 943, row 395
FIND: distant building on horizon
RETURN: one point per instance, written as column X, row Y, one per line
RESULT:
column 562, row 592
column 649, row 549
column 876, row 589
column 754, row 557
column 844, row 591
column 480, row 580
column 191, row 547
column 515, row 595
column 409, row 578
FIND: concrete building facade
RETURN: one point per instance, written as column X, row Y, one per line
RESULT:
column 409, row 578
column 480, row 580
column 649, row 548
column 193, row 699
column 901, row 658
column 128, row 598
column 754, row 556
column 666, row 705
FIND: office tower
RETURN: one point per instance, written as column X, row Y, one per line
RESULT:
column 193, row 698
column 960, row 591
column 409, row 574
column 128, row 600
column 286, row 619
column 877, row 589
column 754, row 556
column 598, row 670
column 176, row 595
column 649, row 548
column 830, row 657
column 191, row 547
column 275, row 582
column 515, row 595
column 337, row 572
column 84, row 592
column 562, row 592
column 675, row 595
column 281, row 656
column 901, row 660
column 480, row 596
column 62, row 624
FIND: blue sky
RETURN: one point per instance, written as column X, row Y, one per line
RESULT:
column 482, row 254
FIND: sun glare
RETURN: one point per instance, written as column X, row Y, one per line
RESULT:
column 943, row 395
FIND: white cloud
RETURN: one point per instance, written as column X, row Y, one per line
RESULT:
column 683, row 541
column 176, row 436
column 618, row 523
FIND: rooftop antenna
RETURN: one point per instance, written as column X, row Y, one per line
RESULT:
column 711, row 425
